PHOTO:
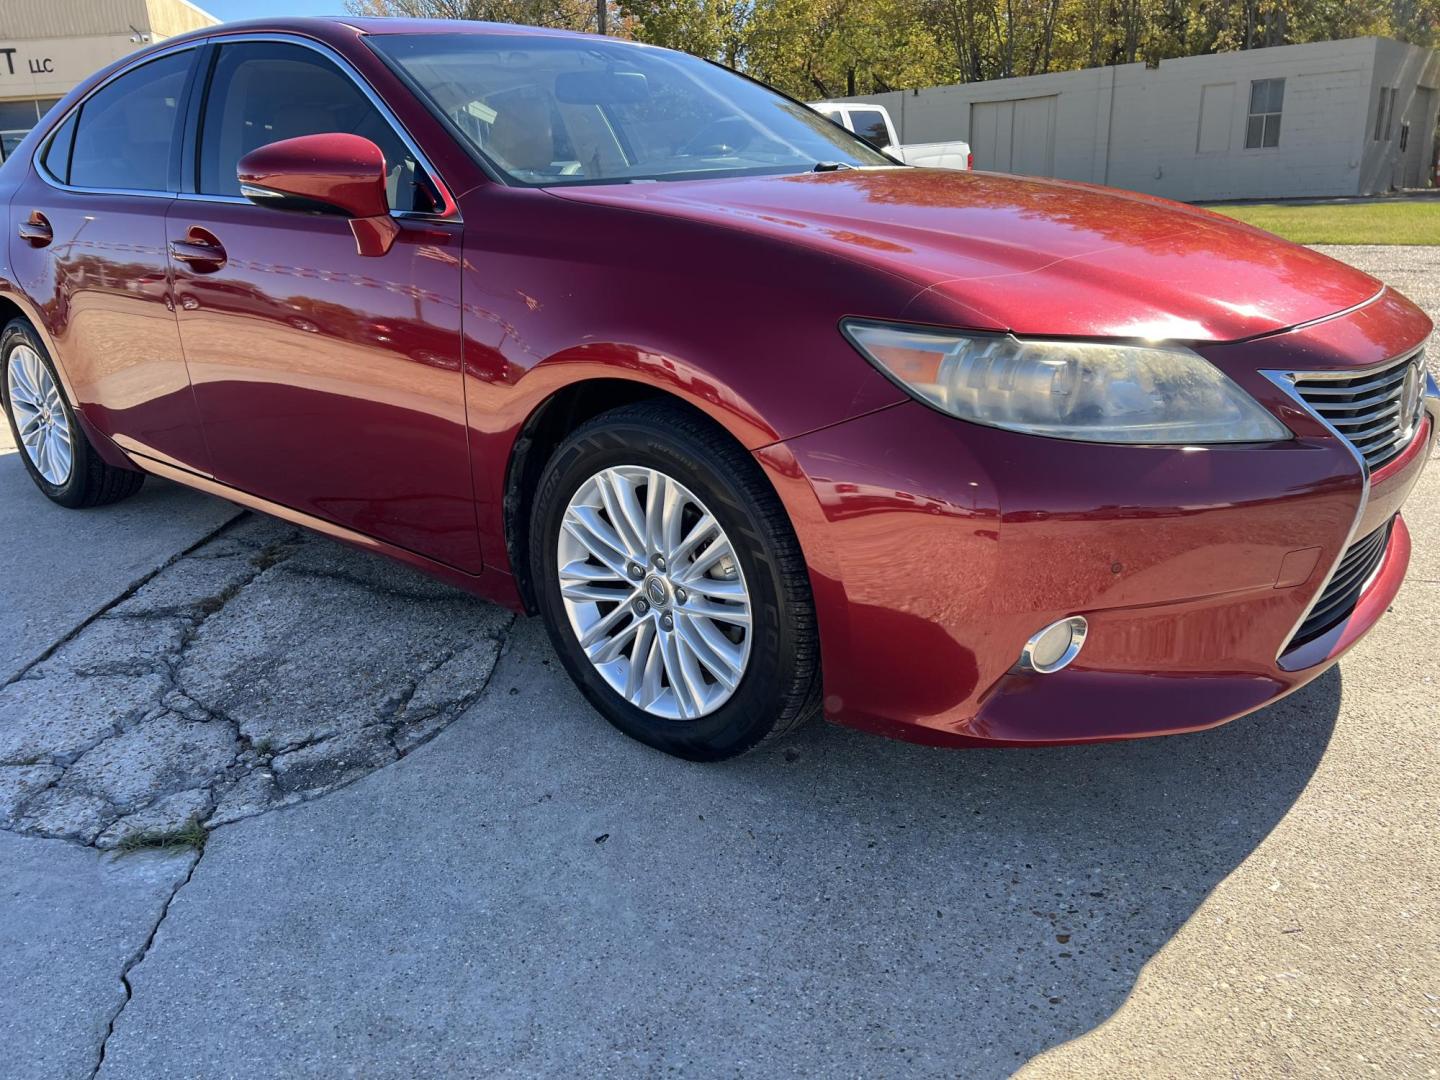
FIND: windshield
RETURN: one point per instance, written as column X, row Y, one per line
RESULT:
column 549, row 111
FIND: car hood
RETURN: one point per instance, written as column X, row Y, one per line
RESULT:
column 1028, row 255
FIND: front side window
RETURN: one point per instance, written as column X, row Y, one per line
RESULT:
column 1262, row 128
column 126, row 135
column 869, row 124
column 263, row 92
column 549, row 111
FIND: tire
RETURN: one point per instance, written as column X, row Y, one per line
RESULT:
column 88, row 480
column 778, row 687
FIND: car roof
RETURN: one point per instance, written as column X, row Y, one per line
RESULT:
column 453, row 26
column 385, row 26
column 335, row 28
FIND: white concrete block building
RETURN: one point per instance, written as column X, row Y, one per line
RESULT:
column 1353, row 117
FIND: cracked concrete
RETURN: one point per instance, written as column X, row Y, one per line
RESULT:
column 263, row 668
column 67, row 566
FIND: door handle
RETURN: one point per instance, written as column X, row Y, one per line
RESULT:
column 36, row 231
column 199, row 250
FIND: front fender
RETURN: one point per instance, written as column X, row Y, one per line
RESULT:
column 499, row 414
column 744, row 328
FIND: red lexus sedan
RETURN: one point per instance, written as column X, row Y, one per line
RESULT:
column 760, row 421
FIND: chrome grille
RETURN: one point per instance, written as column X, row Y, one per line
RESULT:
column 1356, row 567
column 1376, row 411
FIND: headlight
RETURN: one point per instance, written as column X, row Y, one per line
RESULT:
column 1093, row 391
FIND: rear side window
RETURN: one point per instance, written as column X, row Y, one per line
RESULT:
column 869, row 124
column 263, row 92
column 57, row 154
column 127, row 131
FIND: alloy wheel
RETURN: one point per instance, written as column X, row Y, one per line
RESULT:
column 654, row 592
column 40, row 416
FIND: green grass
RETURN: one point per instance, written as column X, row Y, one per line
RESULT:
column 190, row 835
column 1401, row 221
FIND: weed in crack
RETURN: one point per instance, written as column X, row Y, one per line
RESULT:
column 191, row 835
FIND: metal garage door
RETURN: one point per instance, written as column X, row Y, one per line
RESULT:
column 1014, row 136
column 1417, row 136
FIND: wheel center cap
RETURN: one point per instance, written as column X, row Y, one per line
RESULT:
column 657, row 591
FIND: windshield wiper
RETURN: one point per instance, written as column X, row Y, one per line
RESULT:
column 831, row 166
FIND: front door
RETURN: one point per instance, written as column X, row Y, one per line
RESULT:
column 327, row 382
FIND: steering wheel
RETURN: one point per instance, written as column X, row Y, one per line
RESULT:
column 719, row 138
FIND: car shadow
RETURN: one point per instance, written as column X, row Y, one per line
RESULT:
column 1026, row 889
column 839, row 903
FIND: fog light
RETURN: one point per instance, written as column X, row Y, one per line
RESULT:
column 1054, row 647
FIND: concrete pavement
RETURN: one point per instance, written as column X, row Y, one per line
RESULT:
column 73, row 924
column 529, row 893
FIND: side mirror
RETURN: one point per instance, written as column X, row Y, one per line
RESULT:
column 324, row 174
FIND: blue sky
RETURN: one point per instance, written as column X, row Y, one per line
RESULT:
column 269, row 9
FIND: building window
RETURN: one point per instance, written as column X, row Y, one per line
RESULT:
column 1385, row 113
column 16, row 120
column 1263, row 126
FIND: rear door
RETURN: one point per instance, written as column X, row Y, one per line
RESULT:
column 88, row 245
column 327, row 382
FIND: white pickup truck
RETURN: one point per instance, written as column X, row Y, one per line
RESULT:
column 873, row 123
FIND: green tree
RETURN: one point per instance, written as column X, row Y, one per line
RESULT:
column 831, row 48
column 714, row 29
column 561, row 14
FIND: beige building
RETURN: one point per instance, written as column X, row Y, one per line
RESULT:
column 47, row 46
column 1352, row 117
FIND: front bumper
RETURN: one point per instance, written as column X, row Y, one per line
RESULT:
column 936, row 548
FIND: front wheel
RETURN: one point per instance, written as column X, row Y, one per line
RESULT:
column 672, row 584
